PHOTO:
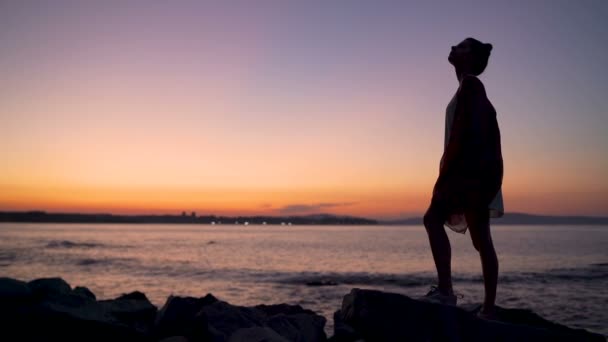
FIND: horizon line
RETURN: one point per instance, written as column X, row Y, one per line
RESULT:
column 189, row 214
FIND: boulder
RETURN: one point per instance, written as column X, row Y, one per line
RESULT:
column 224, row 319
column 286, row 309
column 344, row 332
column 84, row 292
column 175, row 339
column 210, row 319
column 53, row 311
column 133, row 310
column 294, row 322
column 180, row 317
column 291, row 322
column 299, row 327
column 378, row 316
column 256, row 334
column 13, row 290
column 49, row 287
column 48, row 309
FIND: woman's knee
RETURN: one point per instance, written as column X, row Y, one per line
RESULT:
column 475, row 240
column 432, row 221
column 482, row 242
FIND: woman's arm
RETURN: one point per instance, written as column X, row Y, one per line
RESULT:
column 466, row 135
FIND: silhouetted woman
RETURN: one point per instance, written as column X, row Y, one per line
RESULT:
column 468, row 190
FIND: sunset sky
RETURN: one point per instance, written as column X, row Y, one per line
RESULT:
column 291, row 107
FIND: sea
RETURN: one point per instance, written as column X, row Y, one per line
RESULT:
column 559, row 272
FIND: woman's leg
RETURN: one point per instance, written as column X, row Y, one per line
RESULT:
column 479, row 227
column 440, row 246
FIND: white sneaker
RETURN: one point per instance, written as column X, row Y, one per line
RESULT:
column 488, row 316
column 434, row 296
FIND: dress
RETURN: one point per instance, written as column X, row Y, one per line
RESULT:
column 456, row 218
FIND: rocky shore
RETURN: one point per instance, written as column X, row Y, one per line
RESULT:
column 50, row 309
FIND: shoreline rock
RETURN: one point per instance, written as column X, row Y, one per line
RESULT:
column 371, row 315
column 49, row 309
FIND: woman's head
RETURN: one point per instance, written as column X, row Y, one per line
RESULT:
column 470, row 55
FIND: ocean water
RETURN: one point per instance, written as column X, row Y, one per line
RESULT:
column 560, row 272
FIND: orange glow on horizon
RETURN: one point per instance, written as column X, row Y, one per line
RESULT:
column 376, row 203
column 212, row 201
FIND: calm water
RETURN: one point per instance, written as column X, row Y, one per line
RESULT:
column 559, row 272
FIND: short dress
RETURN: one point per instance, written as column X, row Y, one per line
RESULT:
column 456, row 218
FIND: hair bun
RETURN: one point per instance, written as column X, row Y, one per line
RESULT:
column 488, row 47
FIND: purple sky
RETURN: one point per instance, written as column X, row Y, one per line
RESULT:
column 343, row 101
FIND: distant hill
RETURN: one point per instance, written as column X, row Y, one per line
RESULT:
column 41, row 216
column 313, row 219
column 523, row 219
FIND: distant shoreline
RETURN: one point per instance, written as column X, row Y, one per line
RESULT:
column 526, row 219
column 314, row 219
column 317, row 219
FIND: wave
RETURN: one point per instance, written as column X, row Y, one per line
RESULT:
column 7, row 258
column 592, row 273
column 71, row 244
column 407, row 280
column 361, row 278
column 199, row 271
column 88, row 261
column 600, row 264
column 120, row 265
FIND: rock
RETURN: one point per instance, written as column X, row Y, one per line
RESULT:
column 175, row 339
column 84, row 292
column 133, row 309
column 225, row 319
column 69, row 320
column 291, row 322
column 294, row 322
column 211, row 319
column 299, row 327
column 135, row 295
column 378, row 316
column 256, row 334
column 47, row 309
column 342, row 331
column 46, row 287
column 55, row 312
column 13, row 290
column 287, row 309
column 180, row 316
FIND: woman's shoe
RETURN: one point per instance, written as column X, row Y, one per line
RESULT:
column 488, row 316
column 435, row 296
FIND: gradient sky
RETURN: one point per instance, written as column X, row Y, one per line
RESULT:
column 288, row 107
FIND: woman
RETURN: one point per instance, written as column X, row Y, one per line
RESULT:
column 468, row 190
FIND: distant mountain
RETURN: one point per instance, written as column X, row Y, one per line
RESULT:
column 523, row 219
column 406, row 221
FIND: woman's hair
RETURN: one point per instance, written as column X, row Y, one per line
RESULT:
column 481, row 53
